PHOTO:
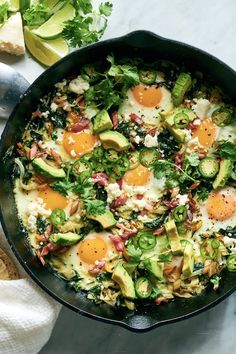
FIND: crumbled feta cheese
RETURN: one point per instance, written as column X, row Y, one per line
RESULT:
column 78, row 85
column 53, row 107
column 113, row 192
column 70, row 140
column 201, row 107
column 183, row 198
column 197, row 122
column 60, row 85
column 36, row 208
column 150, row 141
column 31, row 222
column 137, row 139
column 73, row 153
column 230, row 243
column 45, row 114
column 90, row 112
column 131, row 190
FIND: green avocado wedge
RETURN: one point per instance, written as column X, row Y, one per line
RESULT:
column 54, row 26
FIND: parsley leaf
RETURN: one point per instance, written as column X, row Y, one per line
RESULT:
column 133, row 252
column 192, row 159
column 83, row 5
column 227, row 150
column 63, row 187
column 105, row 8
column 94, row 206
column 36, row 14
column 3, row 13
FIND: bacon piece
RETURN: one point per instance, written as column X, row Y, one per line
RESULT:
column 81, row 125
column 152, row 131
column 119, row 182
column 161, row 299
column 41, row 238
column 119, row 202
column 115, row 121
column 159, row 231
column 74, row 207
column 119, row 245
column 136, row 119
column 178, row 160
column 192, row 203
column 191, row 126
column 56, row 157
column 127, row 234
column 139, row 196
column 132, row 147
column 33, row 151
column 50, row 247
column 36, row 114
column 100, row 178
column 144, row 212
column 171, row 204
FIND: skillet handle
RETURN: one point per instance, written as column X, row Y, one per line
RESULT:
column 12, row 86
column 142, row 39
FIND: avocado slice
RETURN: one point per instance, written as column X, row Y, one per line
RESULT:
column 41, row 167
column 67, row 239
column 173, row 238
column 188, row 265
column 106, row 219
column 114, row 140
column 102, row 121
column 154, row 267
column 122, row 277
column 226, row 167
column 181, row 86
column 177, row 133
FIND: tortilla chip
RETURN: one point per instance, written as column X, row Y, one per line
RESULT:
column 8, row 270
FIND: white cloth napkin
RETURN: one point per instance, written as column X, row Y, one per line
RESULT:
column 27, row 314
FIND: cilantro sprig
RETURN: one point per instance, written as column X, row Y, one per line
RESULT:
column 4, row 7
column 36, row 14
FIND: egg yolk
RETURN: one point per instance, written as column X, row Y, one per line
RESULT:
column 221, row 205
column 206, row 132
column 52, row 199
column 77, row 144
column 147, row 96
column 92, row 249
column 139, row 176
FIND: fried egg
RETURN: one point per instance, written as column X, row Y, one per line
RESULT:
column 206, row 133
column 83, row 256
column 218, row 211
column 147, row 102
column 71, row 146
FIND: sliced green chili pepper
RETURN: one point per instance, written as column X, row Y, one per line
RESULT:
column 231, row 263
column 133, row 159
column 143, row 287
column 182, row 229
column 81, row 165
column 147, row 77
column 146, row 240
column 118, row 169
column 181, row 120
column 58, row 217
column 112, row 155
column 98, row 153
column 180, row 213
column 223, row 116
column 209, row 248
column 148, row 156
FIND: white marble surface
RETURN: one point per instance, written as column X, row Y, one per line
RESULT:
column 209, row 25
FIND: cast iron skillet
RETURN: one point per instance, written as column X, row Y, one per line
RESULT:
column 150, row 47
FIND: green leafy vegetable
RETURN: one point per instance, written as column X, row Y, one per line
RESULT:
column 3, row 13
column 192, row 159
column 83, row 5
column 36, row 14
column 41, row 224
column 133, row 252
column 227, row 150
column 63, row 187
column 127, row 73
column 94, row 206
column 165, row 257
column 105, row 8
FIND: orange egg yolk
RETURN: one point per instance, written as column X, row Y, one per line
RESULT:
column 147, row 96
column 206, row 132
column 52, row 199
column 77, row 144
column 139, row 176
column 92, row 249
column 221, row 205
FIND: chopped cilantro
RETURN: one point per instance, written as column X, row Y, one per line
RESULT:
column 94, row 206
column 36, row 14
column 227, row 150
column 3, row 13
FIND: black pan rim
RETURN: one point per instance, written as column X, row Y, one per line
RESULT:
column 122, row 323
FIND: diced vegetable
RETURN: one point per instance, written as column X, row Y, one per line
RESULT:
column 208, row 167
column 180, row 213
column 147, row 77
column 143, row 287
column 182, row 85
column 223, row 116
column 146, row 240
column 148, row 156
column 231, row 263
column 58, row 217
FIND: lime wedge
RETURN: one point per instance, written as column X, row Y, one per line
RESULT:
column 54, row 26
column 46, row 52
column 14, row 5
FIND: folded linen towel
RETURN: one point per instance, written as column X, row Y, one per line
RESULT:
column 27, row 314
